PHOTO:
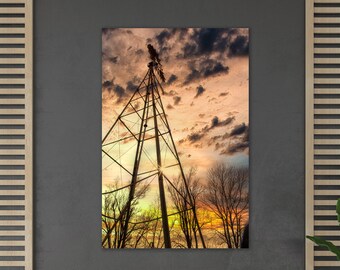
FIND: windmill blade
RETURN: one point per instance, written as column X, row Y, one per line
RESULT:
column 154, row 56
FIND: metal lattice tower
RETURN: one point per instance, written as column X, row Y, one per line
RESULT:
column 140, row 147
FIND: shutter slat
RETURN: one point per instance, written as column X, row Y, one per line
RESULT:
column 326, row 70
column 327, row 263
column 317, row 60
column 322, row 128
column 326, row 101
column 322, row 80
column 16, row 136
column 333, row 40
column 322, row 10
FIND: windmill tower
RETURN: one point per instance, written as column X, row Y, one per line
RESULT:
column 139, row 148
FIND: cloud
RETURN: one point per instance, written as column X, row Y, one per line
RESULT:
column 239, row 140
column 107, row 57
column 118, row 91
column 107, row 84
column 139, row 52
column 195, row 137
column 172, row 79
column 235, row 148
column 163, row 36
column 202, row 69
column 176, row 99
column 199, row 91
column 239, row 46
column 171, row 93
column 133, row 84
column 239, row 129
column 218, row 145
column 223, row 94
column 205, row 41
column 131, row 87
column 215, row 122
column 169, row 107
column 210, row 67
column 198, row 135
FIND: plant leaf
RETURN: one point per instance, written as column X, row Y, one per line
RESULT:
column 323, row 243
column 338, row 209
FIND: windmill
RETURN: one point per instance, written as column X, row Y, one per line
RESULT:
column 139, row 147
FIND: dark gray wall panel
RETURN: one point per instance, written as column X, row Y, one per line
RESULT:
column 68, row 131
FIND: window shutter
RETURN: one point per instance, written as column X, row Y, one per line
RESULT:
column 16, row 134
column 322, row 129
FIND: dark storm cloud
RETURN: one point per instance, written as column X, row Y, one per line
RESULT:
column 215, row 122
column 235, row 148
column 239, row 140
column 108, row 84
column 204, row 41
column 192, row 76
column 198, row 135
column 163, row 36
column 211, row 67
column 172, row 79
column 199, row 91
column 131, row 87
column 116, row 89
column 202, row 69
column 239, row 46
column 176, row 99
column 119, row 92
column 195, row 137
column 239, row 129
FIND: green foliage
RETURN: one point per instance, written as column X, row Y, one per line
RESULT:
column 338, row 209
column 323, row 243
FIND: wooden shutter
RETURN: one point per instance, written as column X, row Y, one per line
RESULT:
column 16, row 134
column 322, row 129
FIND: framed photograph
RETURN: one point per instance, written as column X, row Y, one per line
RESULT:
column 175, row 138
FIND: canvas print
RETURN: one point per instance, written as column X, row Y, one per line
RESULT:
column 175, row 138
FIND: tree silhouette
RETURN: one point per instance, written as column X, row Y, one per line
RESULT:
column 227, row 196
column 114, row 213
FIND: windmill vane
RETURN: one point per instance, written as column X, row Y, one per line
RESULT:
column 156, row 61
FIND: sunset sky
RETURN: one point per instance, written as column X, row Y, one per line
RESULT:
column 206, row 92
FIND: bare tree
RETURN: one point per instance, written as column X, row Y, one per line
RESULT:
column 227, row 196
column 114, row 213
column 181, row 200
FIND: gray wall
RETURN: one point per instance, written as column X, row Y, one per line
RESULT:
column 67, row 42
